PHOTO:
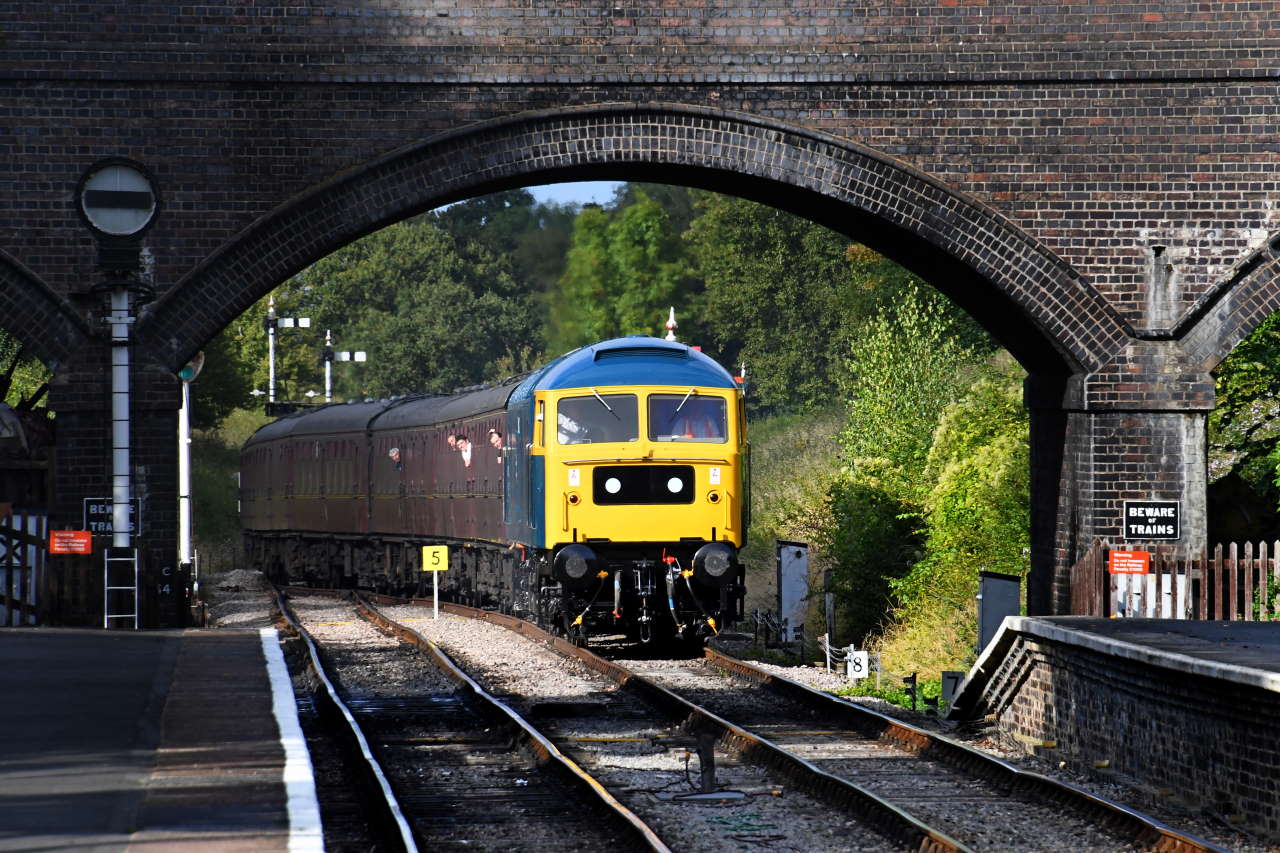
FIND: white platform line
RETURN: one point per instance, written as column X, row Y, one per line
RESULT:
column 305, row 832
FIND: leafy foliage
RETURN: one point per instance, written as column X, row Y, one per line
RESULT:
column 1244, row 428
column 535, row 237
column 904, row 369
column 976, row 519
column 624, row 268
column 23, row 379
column 793, row 460
column 784, row 295
column 434, row 313
column 223, row 385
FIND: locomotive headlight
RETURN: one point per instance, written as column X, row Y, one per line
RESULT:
column 714, row 563
column 575, row 564
column 674, row 485
column 613, row 485
column 713, row 497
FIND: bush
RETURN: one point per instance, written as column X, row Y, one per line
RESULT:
column 215, row 490
column 794, row 458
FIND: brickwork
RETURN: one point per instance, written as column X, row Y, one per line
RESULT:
column 1211, row 743
column 1095, row 183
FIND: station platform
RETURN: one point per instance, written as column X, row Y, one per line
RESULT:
column 1235, row 651
column 1186, row 708
column 157, row 741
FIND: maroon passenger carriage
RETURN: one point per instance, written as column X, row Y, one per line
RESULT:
column 364, row 478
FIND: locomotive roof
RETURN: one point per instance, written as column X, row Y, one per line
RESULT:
column 633, row 360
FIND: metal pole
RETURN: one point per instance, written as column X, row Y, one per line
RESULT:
column 120, row 485
column 435, row 595
column 271, row 349
column 328, row 368
column 184, row 477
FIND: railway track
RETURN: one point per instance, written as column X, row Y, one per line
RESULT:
column 918, row 790
column 648, row 759
column 442, row 764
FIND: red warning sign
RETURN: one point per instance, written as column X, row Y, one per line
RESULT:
column 1129, row 562
column 70, row 542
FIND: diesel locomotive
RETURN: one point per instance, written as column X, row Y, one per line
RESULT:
column 604, row 493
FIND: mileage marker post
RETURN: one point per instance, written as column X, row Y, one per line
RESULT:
column 435, row 559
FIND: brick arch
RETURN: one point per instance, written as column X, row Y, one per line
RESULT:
column 46, row 325
column 1233, row 308
column 1029, row 298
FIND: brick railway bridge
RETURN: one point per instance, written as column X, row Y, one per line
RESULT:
column 1095, row 182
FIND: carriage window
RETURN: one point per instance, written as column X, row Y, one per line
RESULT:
column 686, row 417
column 597, row 418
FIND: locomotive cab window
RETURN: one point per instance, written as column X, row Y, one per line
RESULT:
column 687, row 417
column 597, row 418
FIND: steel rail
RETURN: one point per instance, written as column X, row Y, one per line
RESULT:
column 1124, row 822
column 875, row 812
column 544, row 752
column 369, row 772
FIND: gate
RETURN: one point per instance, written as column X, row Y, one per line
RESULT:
column 23, row 579
column 1233, row 582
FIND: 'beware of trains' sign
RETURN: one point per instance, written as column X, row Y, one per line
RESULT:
column 1152, row 520
column 97, row 516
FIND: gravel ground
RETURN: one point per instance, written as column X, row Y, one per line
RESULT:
column 239, row 600
column 635, row 754
column 463, row 787
column 965, row 807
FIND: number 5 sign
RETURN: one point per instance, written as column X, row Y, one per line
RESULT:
column 435, row 559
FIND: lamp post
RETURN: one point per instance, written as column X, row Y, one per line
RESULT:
column 271, row 324
column 187, row 374
column 330, row 356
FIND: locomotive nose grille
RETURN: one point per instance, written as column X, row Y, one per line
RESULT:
column 643, row 484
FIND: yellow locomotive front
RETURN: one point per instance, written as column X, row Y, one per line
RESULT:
column 644, row 496
column 645, row 464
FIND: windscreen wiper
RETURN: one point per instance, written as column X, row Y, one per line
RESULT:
column 692, row 391
column 596, row 394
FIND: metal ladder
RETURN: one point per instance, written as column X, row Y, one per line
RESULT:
column 118, row 561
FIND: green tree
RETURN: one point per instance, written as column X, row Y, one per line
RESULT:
column 624, row 269
column 513, row 225
column 784, row 295
column 579, row 313
column 433, row 312
column 976, row 518
column 978, row 472
column 224, row 383
column 678, row 202
column 907, row 365
column 24, row 380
